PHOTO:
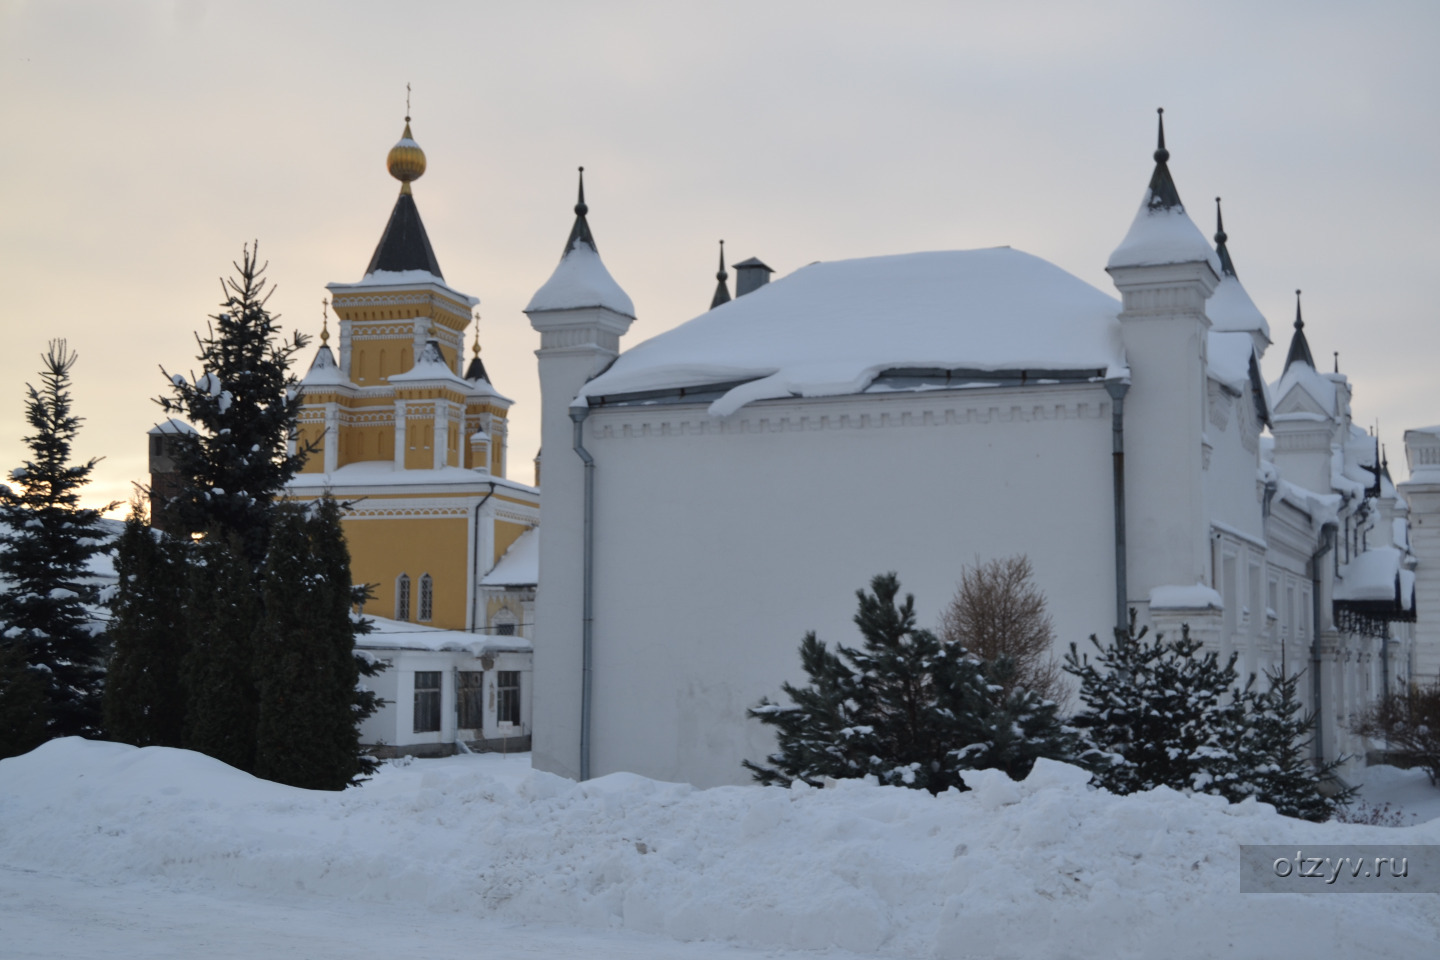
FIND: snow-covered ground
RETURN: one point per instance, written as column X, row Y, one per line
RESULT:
column 110, row 851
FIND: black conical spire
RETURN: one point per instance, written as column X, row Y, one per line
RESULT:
column 722, row 288
column 1227, row 268
column 581, row 231
column 404, row 245
column 1163, row 195
column 1299, row 346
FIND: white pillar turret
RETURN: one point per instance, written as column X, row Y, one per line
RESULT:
column 580, row 314
column 1165, row 271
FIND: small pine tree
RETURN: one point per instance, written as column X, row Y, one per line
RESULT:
column 144, row 693
column 245, row 406
column 905, row 708
column 222, row 611
column 1274, row 764
column 46, row 539
column 309, row 709
column 1168, row 715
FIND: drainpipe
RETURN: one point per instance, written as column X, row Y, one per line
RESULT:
column 578, row 414
column 475, row 560
column 1327, row 543
column 1117, row 390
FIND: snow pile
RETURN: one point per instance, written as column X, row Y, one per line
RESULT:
column 1372, row 575
column 831, row 328
column 1228, row 357
column 1044, row 868
column 581, row 281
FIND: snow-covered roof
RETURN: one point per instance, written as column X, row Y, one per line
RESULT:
column 431, row 366
column 830, row 328
column 398, row 635
column 1375, row 576
column 324, row 371
column 579, row 281
column 1162, row 235
column 1231, row 309
column 397, row 277
column 171, row 426
column 1320, row 387
column 520, row 567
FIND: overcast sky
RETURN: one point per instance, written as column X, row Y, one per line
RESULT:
column 146, row 142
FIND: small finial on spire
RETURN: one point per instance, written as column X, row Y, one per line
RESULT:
column 722, row 276
column 1161, row 154
column 580, row 208
column 324, row 321
column 1299, row 323
column 1337, row 361
column 407, row 102
column 1220, row 236
column 477, row 333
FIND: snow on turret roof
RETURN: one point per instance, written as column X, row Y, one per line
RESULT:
column 171, row 426
column 324, row 371
column 1162, row 232
column 521, row 564
column 1162, row 236
column 1320, row 387
column 830, row 328
column 1231, row 309
column 580, row 281
column 1372, row 575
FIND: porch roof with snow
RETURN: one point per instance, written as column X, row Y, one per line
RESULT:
column 832, row 328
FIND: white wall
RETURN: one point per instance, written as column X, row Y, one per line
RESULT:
column 720, row 543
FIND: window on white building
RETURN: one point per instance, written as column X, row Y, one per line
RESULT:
column 427, row 701
column 507, row 696
column 470, row 699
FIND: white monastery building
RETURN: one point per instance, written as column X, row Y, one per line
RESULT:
column 716, row 491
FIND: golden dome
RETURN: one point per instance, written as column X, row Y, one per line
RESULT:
column 406, row 161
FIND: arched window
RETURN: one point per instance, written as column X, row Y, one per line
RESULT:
column 402, row 597
column 427, row 597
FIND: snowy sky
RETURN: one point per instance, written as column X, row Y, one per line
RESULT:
column 148, row 141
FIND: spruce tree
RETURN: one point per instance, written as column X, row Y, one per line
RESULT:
column 46, row 539
column 307, row 668
column 1275, row 764
column 244, row 406
column 1168, row 714
column 905, row 708
column 222, row 614
column 144, row 692
column 23, row 712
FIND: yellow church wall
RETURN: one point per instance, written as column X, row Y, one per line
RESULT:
column 382, row 549
column 312, row 433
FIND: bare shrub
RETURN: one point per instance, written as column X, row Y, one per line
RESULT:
column 998, row 611
column 1409, row 723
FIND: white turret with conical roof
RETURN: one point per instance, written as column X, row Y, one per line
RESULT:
column 1165, row 271
column 580, row 314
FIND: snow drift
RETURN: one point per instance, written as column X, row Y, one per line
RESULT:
column 1043, row 868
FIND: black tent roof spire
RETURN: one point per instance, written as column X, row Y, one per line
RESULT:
column 581, row 231
column 722, row 288
column 1163, row 195
column 1299, row 346
column 1227, row 267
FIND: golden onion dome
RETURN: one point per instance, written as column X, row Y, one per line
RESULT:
column 406, row 161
